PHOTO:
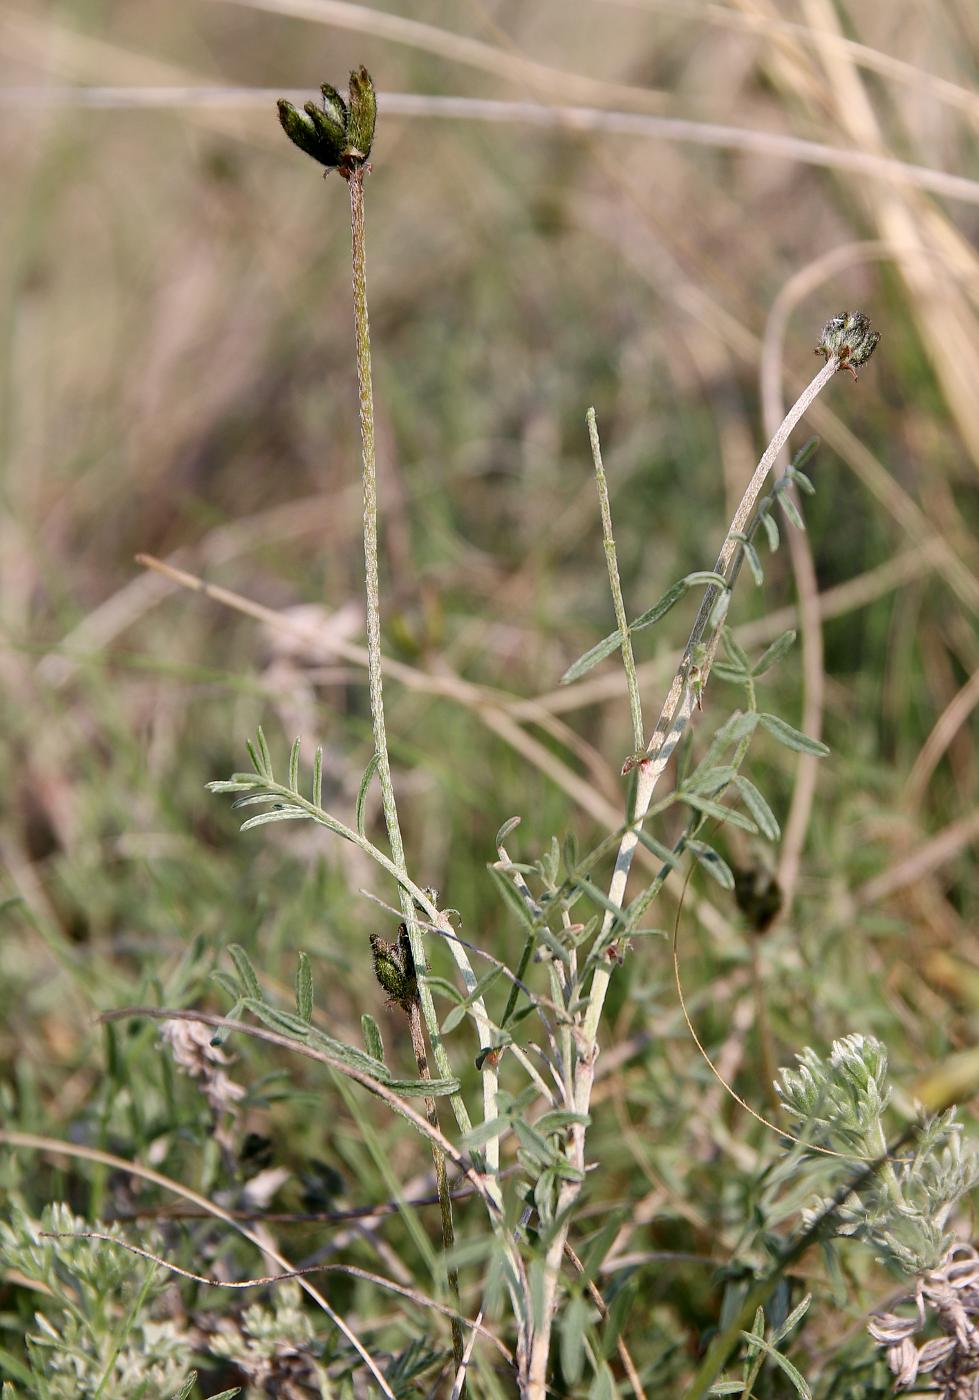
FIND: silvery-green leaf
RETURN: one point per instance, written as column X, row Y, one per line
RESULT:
column 593, row 656
column 279, row 814
column 758, row 807
column 792, row 738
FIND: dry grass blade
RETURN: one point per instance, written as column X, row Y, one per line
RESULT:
column 457, row 48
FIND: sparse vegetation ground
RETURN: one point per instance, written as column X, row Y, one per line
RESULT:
column 177, row 379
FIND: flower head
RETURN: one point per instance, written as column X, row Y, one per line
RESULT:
column 850, row 338
column 336, row 133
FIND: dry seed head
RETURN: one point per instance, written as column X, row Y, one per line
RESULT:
column 851, row 338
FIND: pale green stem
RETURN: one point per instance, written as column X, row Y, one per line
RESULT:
column 364, row 380
column 374, row 677
column 628, row 660
column 677, row 711
column 388, row 803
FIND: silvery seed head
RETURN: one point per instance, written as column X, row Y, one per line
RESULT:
column 850, row 338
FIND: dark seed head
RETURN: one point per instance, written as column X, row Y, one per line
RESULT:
column 850, row 337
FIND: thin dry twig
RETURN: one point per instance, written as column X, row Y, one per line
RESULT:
column 351, row 1270
column 944, row 730
column 476, row 1179
column 883, row 169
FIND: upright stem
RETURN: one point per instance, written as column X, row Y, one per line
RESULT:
column 366, row 388
column 677, row 710
column 618, row 605
column 516, row 1281
column 441, row 1179
column 427, row 1008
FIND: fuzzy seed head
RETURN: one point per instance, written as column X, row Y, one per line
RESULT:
column 336, row 133
column 850, row 338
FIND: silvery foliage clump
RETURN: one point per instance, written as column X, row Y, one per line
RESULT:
column 274, row 1347
column 902, row 1209
column 81, row 1344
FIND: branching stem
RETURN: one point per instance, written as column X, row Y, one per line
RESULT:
column 677, row 710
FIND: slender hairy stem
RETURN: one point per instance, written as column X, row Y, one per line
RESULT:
column 426, row 1005
column 628, row 660
column 388, row 803
column 677, row 710
column 441, row 1178
column 364, row 380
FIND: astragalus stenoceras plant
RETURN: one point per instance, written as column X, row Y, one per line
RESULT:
column 575, row 934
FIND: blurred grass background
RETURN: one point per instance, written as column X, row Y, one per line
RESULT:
column 176, row 377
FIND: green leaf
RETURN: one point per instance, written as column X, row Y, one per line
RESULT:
column 599, row 1246
column 513, row 897
column 285, row 1022
column 774, row 653
column 795, row 1376
column 771, row 530
column 593, row 656
column 574, row 1320
column 16, row 1368
column 727, row 1388
column 717, row 809
column 558, row 1119
column 458, row 1012
column 753, row 562
column 264, row 753
column 804, row 453
column 705, row 576
column 791, row 510
column 290, row 1025
column 481, row 1134
column 365, row 783
column 603, row 1386
column 735, row 728
column 255, row 799
column 227, row 983
column 661, row 852
column 294, row 765
column 245, row 970
column 669, row 599
column 304, row 989
column 796, row 1315
column 278, row 814
column 230, row 785
column 792, row 738
column 509, row 825
column 715, row 866
column 618, row 1313
column 443, row 987
column 710, row 781
column 758, row 807
column 318, row 776
column 735, row 651
column 803, row 482
column 724, row 672
column 373, row 1043
column 720, row 609
column 533, row 1145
